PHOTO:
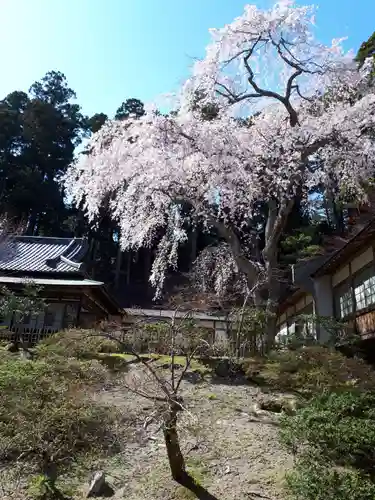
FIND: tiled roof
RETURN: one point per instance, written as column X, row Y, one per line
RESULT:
column 166, row 313
column 365, row 235
column 13, row 280
column 38, row 254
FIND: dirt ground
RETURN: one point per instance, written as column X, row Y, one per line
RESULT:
column 231, row 449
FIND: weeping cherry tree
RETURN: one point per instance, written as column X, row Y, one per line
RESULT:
column 294, row 115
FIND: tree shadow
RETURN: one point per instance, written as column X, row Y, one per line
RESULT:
column 107, row 491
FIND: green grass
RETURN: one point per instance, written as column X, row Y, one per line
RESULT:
column 211, row 396
column 160, row 360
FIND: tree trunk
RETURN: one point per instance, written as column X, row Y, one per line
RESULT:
column 176, row 459
column 274, row 288
column 31, row 224
column 271, row 327
column 118, row 267
column 240, row 326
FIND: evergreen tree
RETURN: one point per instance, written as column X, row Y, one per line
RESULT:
column 130, row 108
column 39, row 132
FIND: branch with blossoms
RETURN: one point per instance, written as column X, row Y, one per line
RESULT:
column 308, row 115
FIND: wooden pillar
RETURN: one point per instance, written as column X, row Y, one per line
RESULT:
column 128, row 267
column 118, row 267
column 79, row 311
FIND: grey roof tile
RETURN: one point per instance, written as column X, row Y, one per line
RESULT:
column 43, row 255
column 15, row 280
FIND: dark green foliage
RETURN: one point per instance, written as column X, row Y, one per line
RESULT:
column 130, row 108
column 53, row 89
column 311, row 370
column 299, row 245
column 29, row 302
column 45, row 413
column 333, row 438
column 311, row 480
column 366, row 50
column 208, row 111
column 79, row 344
column 338, row 426
column 332, row 431
column 302, row 235
column 38, row 134
column 96, row 122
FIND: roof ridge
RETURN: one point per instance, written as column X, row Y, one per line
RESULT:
column 45, row 254
column 59, row 238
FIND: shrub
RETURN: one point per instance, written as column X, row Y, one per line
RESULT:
column 333, row 437
column 75, row 343
column 312, row 480
column 157, row 338
column 311, row 370
column 224, row 367
column 45, row 414
column 90, row 373
column 147, row 337
column 340, row 427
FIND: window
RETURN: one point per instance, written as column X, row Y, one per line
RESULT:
column 49, row 318
column 282, row 336
column 26, row 319
column 364, row 288
column 346, row 303
column 343, row 300
column 70, row 318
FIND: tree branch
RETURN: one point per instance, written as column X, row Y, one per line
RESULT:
column 250, row 270
column 293, row 117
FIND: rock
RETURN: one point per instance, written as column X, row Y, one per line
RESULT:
column 278, row 405
column 99, row 487
column 11, row 347
column 272, row 405
column 223, row 367
column 229, row 368
column 241, row 412
column 168, row 366
column 25, row 354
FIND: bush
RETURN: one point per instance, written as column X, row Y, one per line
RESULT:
column 79, row 344
column 312, row 480
column 311, row 370
column 148, row 337
column 157, row 338
column 340, row 427
column 333, row 437
column 43, row 414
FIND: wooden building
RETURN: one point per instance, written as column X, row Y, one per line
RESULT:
column 341, row 286
column 56, row 265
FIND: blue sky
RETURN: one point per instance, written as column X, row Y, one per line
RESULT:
column 114, row 49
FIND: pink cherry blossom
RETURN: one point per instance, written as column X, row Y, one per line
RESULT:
column 308, row 103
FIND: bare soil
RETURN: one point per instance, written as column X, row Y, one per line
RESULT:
column 231, row 448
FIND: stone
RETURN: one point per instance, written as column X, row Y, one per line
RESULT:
column 25, row 354
column 99, row 487
column 273, row 405
column 11, row 347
